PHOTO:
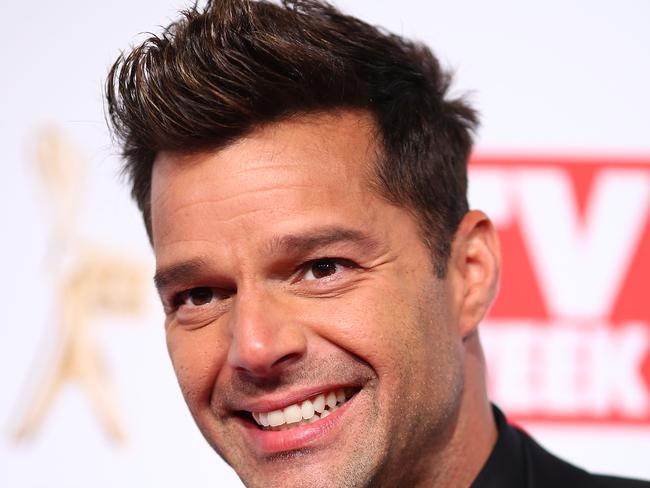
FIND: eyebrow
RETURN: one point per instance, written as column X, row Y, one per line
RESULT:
column 295, row 244
column 305, row 243
column 178, row 273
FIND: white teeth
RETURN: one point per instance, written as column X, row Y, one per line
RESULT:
column 292, row 414
column 319, row 403
column 307, row 409
column 276, row 418
column 264, row 419
column 331, row 399
column 340, row 396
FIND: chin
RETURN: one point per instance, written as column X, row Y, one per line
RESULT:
column 341, row 449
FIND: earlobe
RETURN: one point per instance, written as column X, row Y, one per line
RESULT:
column 475, row 261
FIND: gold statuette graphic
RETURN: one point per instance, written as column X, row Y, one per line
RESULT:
column 91, row 283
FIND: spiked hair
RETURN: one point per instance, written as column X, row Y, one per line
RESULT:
column 224, row 69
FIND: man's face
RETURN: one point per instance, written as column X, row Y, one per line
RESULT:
column 291, row 287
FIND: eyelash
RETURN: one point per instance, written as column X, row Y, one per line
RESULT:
column 308, row 266
column 179, row 299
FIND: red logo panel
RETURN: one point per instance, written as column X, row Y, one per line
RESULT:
column 568, row 338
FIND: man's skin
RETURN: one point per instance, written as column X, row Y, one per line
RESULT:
column 304, row 280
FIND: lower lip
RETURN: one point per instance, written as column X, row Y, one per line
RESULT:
column 268, row 442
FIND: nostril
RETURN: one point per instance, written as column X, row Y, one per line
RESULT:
column 286, row 360
column 263, row 347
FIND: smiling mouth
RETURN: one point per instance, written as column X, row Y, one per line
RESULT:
column 305, row 412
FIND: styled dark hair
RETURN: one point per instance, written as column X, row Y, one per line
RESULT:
column 222, row 70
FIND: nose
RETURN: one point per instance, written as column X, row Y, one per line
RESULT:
column 265, row 337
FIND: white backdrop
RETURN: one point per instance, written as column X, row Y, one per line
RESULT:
column 548, row 77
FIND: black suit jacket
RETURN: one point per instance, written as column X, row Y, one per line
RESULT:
column 517, row 461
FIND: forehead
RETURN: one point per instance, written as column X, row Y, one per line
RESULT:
column 312, row 163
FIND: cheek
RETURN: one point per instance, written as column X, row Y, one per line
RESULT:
column 197, row 357
column 377, row 325
column 407, row 336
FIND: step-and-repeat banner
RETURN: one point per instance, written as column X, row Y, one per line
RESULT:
column 568, row 339
column 562, row 167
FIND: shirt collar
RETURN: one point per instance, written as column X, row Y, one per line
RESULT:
column 506, row 466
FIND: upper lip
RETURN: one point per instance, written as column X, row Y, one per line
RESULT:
column 278, row 401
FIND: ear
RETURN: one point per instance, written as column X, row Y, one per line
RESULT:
column 474, row 267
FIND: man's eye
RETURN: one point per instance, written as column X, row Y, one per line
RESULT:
column 195, row 297
column 322, row 268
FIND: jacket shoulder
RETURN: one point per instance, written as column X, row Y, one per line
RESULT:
column 614, row 482
column 546, row 470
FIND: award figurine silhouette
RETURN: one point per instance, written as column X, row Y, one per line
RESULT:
column 91, row 283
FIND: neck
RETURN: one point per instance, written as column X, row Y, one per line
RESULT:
column 474, row 433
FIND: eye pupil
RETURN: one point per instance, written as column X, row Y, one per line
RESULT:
column 322, row 269
column 201, row 296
